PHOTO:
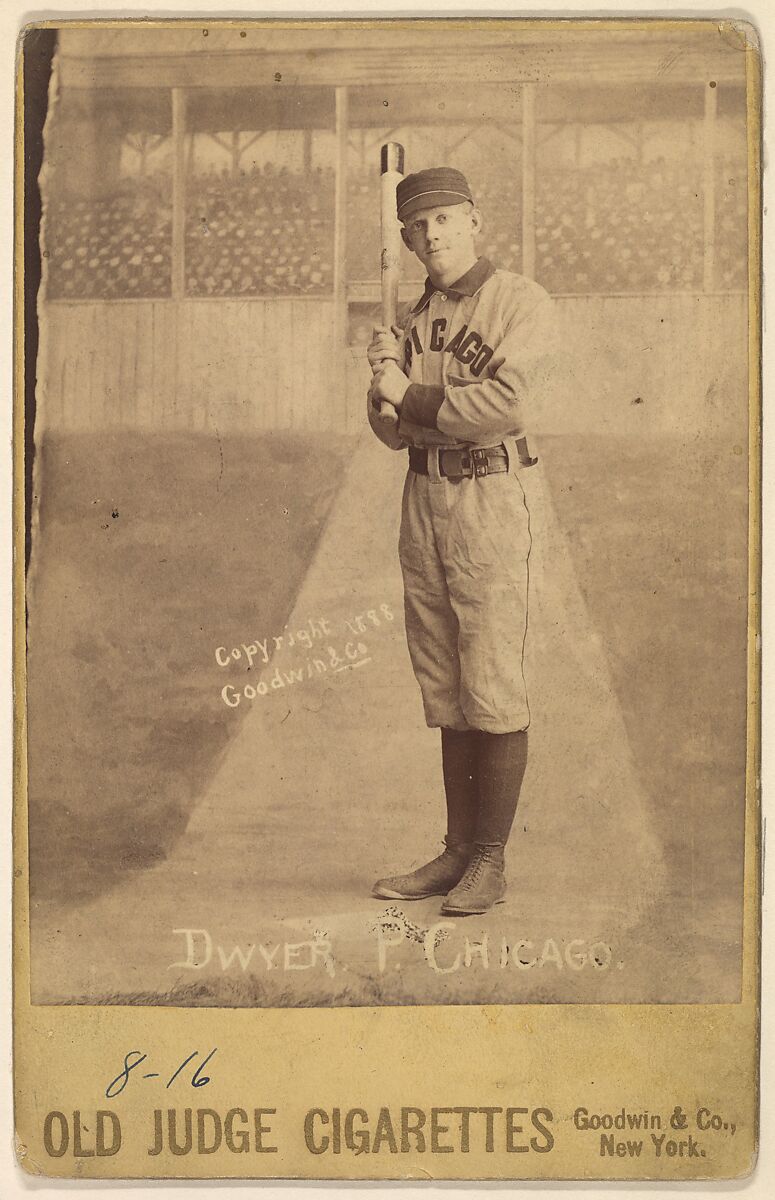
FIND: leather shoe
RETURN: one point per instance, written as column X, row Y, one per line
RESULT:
column 482, row 885
column 433, row 879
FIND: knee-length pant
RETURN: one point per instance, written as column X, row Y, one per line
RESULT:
column 464, row 548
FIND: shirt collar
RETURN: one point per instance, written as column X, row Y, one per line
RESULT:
column 467, row 285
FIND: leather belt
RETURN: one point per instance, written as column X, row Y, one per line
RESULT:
column 463, row 463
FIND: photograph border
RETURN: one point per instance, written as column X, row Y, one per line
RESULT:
column 33, row 1029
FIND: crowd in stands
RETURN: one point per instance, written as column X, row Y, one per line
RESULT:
column 265, row 233
column 622, row 227
column 618, row 227
column 731, row 227
column 116, row 247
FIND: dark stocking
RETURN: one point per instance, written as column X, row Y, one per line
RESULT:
column 502, row 760
column 458, row 755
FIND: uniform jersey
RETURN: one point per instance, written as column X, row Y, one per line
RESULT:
column 472, row 354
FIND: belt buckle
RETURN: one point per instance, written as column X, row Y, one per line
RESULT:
column 480, row 462
column 463, row 467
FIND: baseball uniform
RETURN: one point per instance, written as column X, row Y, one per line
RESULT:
column 472, row 351
column 473, row 354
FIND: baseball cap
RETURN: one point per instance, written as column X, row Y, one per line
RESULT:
column 430, row 189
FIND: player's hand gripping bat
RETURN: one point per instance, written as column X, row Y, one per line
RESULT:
column 391, row 170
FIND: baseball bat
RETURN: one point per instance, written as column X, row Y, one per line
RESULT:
column 391, row 171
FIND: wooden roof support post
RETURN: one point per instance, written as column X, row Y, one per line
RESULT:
column 528, row 179
column 709, row 187
column 178, row 193
column 340, row 225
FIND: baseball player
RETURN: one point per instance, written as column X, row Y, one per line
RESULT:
column 459, row 372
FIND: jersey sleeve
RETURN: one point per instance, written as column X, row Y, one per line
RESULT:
column 500, row 403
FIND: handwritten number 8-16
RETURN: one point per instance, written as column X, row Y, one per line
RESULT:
column 134, row 1058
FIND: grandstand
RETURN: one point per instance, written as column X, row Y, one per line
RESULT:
column 604, row 228
column 599, row 223
column 118, row 250
column 243, row 167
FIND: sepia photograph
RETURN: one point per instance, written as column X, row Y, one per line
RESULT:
column 388, row 479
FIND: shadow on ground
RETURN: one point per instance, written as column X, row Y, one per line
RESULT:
column 149, row 553
column 658, row 534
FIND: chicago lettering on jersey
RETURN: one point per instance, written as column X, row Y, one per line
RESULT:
column 467, row 346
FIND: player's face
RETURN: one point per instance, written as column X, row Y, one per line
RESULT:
column 443, row 239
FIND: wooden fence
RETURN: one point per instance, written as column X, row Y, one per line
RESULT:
column 671, row 363
column 196, row 364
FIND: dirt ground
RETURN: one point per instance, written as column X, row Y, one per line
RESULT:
column 146, row 789
column 149, row 554
column 658, row 537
